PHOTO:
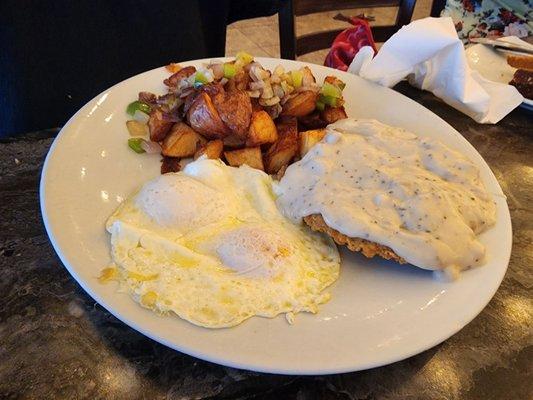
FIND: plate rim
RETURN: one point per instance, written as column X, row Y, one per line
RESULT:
column 248, row 365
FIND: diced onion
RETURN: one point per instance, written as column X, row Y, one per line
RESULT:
column 141, row 117
column 269, row 102
column 151, row 147
column 257, row 85
column 218, row 70
column 254, row 93
column 278, row 91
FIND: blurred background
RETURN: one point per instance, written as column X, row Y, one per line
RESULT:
column 260, row 37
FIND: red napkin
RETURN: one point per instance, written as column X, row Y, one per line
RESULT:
column 348, row 42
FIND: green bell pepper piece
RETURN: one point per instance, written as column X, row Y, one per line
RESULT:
column 244, row 57
column 297, row 77
column 229, row 70
column 329, row 100
column 135, row 145
column 320, row 106
column 330, row 90
column 138, row 105
column 199, row 77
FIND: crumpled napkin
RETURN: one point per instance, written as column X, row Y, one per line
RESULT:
column 429, row 53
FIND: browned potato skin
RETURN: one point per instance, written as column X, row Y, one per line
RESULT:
column 172, row 80
column 212, row 150
column 233, row 141
column 170, row 164
column 182, row 141
column 302, row 104
column 262, row 130
column 332, row 114
column 255, row 105
column 239, row 82
column 158, row 126
column 312, row 121
column 285, row 148
column 309, row 138
column 205, row 119
column 235, row 110
column 250, row 156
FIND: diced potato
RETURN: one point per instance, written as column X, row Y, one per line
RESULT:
column 262, row 130
column 332, row 114
column 212, row 150
column 255, row 105
column 182, row 141
column 235, row 110
column 158, row 126
column 333, row 80
column 172, row 80
column 240, row 81
column 205, row 119
column 233, row 141
column 309, row 138
column 285, row 148
column 250, row 156
column 136, row 128
column 173, row 67
column 302, row 104
column 170, row 164
column 312, row 121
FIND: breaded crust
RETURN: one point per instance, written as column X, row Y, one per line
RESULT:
column 368, row 248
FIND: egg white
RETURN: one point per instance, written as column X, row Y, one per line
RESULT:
column 210, row 245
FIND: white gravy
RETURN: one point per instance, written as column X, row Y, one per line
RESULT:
column 413, row 194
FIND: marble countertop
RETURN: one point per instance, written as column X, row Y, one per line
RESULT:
column 57, row 343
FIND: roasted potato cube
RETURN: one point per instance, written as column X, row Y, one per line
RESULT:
column 212, row 150
column 302, row 104
column 235, row 110
column 250, row 156
column 173, row 68
column 309, row 138
column 312, row 121
column 332, row 114
column 170, row 164
column 233, row 141
column 239, row 82
column 172, row 80
column 205, row 119
column 182, row 141
column 285, row 148
column 262, row 130
column 255, row 105
column 158, row 126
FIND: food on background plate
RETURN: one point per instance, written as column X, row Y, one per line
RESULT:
column 210, row 245
column 523, row 76
column 384, row 191
column 520, row 61
column 239, row 103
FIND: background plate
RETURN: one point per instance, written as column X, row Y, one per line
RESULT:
column 492, row 65
column 380, row 312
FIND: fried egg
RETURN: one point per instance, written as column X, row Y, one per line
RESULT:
column 209, row 244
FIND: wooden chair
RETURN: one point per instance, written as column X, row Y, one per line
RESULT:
column 292, row 46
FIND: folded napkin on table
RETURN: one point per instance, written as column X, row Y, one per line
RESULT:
column 429, row 53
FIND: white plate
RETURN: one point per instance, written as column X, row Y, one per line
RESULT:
column 380, row 312
column 492, row 65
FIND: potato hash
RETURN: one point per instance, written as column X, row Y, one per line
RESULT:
column 237, row 111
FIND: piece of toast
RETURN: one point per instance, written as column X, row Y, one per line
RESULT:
column 368, row 248
column 520, row 62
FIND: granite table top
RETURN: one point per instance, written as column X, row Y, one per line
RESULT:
column 57, row 343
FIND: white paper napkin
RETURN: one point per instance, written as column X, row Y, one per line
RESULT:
column 429, row 53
